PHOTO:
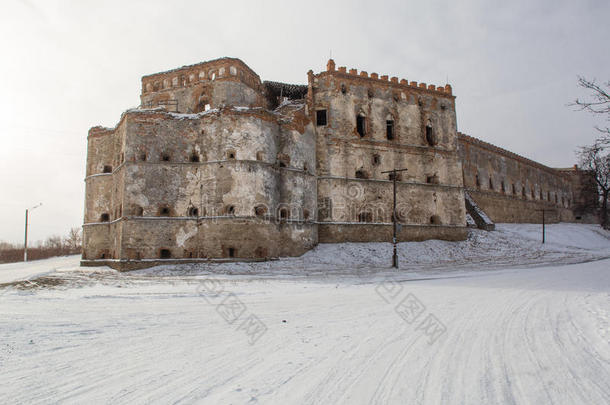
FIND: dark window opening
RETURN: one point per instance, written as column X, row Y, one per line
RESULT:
column 514, row 189
column 165, row 254
column 193, row 212
column 122, row 157
column 376, row 160
column 370, row 93
column 282, row 164
column 578, row 218
column 139, row 211
column 231, row 154
column 435, row 220
column 365, row 217
column 107, row 169
column 361, row 125
column 548, row 195
column 164, row 211
column 105, row 217
column 502, row 187
column 556, row 199
column 103, row 256
column 305, row 214
column 232, row 252
column 389, row 129
column 165, row 157
column 477, row 181
column 343, row 89
column 491, row 184
column 430, row 138
column 321, row 118
column 230, row 210
column 260, row 210
column 391, row 176
column 194, row 158
column 361, row 174
column 284, row 213
column 260, row 252
column 433, row 179
column 523, row 191
column 143, row 157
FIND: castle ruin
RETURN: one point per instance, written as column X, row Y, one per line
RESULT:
column 217, row 165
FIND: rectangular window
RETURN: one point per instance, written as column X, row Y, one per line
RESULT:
column 389, row 129
column 321, row 118
column 361, row 125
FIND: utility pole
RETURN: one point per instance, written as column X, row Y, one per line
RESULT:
column 543, row 227
column 544, row 223
column 394, row 219
column 25, row 245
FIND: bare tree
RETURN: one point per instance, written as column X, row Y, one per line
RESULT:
column 599, row 103
column 596, row 160
column 54, row 242
column 73, row 240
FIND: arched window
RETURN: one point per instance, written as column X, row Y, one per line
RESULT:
column 260, row 210
column 361, row 124
column 491, row 184
column 365, row 216
column 193, row 212
column 435, row 220
column 430, row 136
column 389, row 127
column 105, row 217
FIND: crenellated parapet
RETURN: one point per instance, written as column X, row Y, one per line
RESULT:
column 219, row 69
column 195, row 88
column 467, row 139
column 393, row 81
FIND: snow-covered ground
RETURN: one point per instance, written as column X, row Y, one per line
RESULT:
column 498, row 318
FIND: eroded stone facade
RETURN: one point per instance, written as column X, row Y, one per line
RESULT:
column 216, row 164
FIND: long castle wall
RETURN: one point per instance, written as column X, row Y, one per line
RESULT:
column 511, row 188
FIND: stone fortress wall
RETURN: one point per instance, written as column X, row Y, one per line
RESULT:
column 373, row 125
column 511, row 188
column 217, row 165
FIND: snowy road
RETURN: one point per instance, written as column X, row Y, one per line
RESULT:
column 520, row 335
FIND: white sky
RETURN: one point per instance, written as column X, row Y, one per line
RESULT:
column 68, row 66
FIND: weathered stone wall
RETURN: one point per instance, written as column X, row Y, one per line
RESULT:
column 195, row 88
column 353, row 191
column 216, row 165
column 234, row 182
column 511, row 188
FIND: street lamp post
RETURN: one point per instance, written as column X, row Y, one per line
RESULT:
column 25, row 245
column 394, row 219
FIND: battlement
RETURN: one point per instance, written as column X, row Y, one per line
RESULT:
column 385, row 79
column 493, row 148
column 218, row 69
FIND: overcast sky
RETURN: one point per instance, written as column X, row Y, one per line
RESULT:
column 68, row 66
